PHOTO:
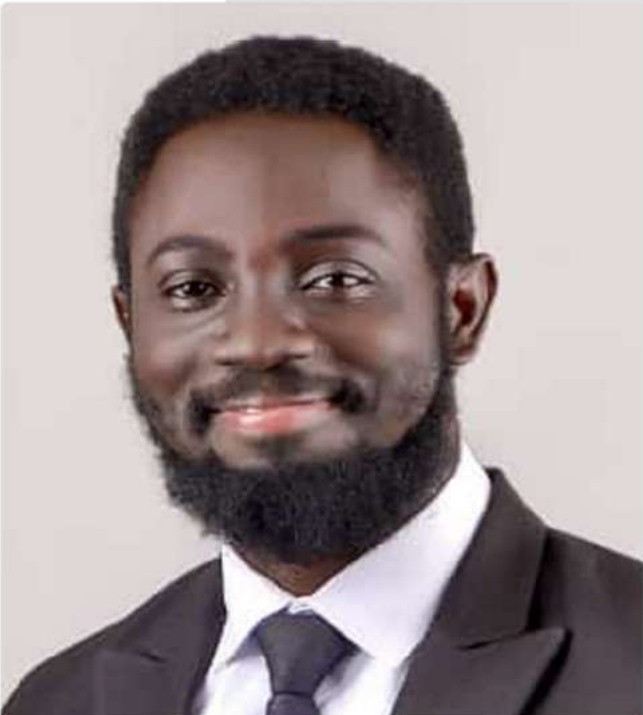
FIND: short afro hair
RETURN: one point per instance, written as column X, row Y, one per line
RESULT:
column 407, row 118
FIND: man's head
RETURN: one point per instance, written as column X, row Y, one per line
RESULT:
column 293, row 236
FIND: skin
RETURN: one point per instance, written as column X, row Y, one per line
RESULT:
column 305, row 249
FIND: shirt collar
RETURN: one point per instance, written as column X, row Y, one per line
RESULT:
column 401, row 580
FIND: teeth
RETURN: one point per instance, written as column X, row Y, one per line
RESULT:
column 257, row 410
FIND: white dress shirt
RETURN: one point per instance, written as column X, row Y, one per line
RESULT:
column 384, row 602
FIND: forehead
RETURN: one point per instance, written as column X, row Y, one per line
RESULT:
column 258, row 174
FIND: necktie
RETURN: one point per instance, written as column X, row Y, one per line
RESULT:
column 300, row 650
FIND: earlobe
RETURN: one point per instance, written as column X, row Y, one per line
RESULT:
column 121, row 303
column 471, row 289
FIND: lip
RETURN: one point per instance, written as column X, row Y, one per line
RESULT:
column 265, row 402
column 271, row 415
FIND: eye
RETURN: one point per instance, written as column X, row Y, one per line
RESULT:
column 193, row 293
column 338, row 282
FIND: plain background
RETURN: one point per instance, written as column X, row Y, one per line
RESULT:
column 549, row 100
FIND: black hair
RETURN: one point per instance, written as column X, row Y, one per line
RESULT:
column 406, row 116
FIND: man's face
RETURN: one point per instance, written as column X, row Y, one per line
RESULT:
column 282, row 312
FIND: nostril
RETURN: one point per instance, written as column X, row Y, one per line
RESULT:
column 263, row 334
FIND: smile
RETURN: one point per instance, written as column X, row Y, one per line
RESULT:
column 275, row 418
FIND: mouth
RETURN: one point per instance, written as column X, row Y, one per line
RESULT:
column 271, row 415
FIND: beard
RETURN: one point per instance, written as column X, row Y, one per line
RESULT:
column 299, row 513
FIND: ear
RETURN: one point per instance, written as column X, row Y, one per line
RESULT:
column 471, row 288
column 121, row 302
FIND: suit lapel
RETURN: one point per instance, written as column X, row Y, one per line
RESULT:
column 157, row 670
column 491, row 679
column 480, row 657
column 134, row 684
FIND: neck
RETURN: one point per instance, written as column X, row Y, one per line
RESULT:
column 297, row 579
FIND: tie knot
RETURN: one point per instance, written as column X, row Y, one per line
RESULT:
column 300, row 650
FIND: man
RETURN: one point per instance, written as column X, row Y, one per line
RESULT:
column 297, row 285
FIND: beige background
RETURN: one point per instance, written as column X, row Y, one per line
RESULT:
column 549, row 99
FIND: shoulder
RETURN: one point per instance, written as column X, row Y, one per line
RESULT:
column 63, row 683
column 596, row 594
column 590, row 593
column 576, row 580
column 583, row 580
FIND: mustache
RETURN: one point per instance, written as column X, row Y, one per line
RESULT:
column 287, row 381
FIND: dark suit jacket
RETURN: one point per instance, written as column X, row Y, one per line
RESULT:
column 534, row 622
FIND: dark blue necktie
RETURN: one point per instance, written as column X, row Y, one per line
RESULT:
column 300, row 650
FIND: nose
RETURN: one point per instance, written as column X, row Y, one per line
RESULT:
column 262, row 333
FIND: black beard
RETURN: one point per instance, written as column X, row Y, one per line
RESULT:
column 301, row 513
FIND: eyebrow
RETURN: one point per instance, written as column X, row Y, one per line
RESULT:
column 334, row 231
column 187, row 242
column 212, row 244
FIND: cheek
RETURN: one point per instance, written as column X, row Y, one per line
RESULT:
column 409, row 369
column 382, row 341
column 403, row 351
column 397, row 353
column 162, row 361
